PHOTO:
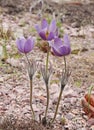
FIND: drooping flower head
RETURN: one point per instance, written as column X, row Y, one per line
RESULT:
column 60, row 48
column 47, row 31
column 25, row 45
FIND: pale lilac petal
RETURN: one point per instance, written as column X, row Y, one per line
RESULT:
column 58, row 42
column 56, row 52
column 60, row 49
column 46, row 31
column 43, row 35
column 29, row 45
column 56, row 46
column 44, row 24
column 56, row 33
column 52, row 27
column 50, row 36
column 66, row 40
column 20, row 44
column 69, row 50
column 64, row 50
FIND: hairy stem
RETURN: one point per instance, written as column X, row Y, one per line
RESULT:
column 47, row 59
column 31, row 89
column 60, row 95
column 47, row 88
column 65, row 65
column 27, row 60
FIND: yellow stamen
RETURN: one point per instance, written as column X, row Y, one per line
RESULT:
column 47, row 34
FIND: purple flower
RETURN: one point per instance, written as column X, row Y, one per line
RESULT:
column 59, row 48
column 47, row 31
column 25, row 45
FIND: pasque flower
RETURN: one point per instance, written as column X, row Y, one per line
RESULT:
column 60, row 48
column 47, row 31
column 25, row 45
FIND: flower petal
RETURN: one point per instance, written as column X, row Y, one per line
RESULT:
column 20, row 44
column 66, row 40
column 43, row 35
column 58, row 42
column 52, row 26
column 67, row 43
column 56, row 52
column 56, row 33
column 29, row 44
column 50, row 36
column 44, row 24
column 64, row 50
column 60, row 49
column 56, row 46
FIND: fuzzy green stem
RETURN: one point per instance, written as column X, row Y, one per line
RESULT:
column 47, row 88
column 60, row 95
column 27, row 60
column 31, row 89
column 65, row 64
column 47, row 59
